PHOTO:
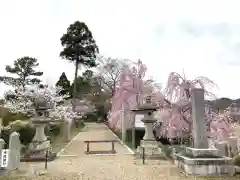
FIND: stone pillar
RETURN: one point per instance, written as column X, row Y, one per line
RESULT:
column 233, row 143
column 133, row 131
column 148, row 132
column 40, row 134
column 123, row 124
column 14, row 154
column 222, row 146
column 67, row 130
column 199, row 128
column 238, row 144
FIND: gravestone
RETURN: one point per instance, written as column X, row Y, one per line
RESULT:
column 14, row 151
column 199, row 126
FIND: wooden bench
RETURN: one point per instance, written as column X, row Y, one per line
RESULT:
column 113, row 151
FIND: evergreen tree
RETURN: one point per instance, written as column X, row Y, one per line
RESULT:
column 24, row 71
column 79, row 47
column 64, row 84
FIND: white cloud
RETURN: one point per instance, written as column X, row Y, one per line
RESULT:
column 200, row 37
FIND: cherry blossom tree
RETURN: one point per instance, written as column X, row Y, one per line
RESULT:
column 109, row 71
column 22, row 101
column 176, row 108
column 130, row 91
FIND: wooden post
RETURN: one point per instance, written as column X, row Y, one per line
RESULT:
column 87, row 147
column 46, row 159
column 143, row 155
column 123, row 123
column 133, row 132
column 113, row 149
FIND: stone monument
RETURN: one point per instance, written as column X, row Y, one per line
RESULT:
column 149, row 143
column 40, row 145
column 14, row 151
column 200, row 159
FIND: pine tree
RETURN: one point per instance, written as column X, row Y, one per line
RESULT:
column 24, row 71
column 79, row 47
column 64, row 84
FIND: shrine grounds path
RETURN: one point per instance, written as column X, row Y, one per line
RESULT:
column 74, row 164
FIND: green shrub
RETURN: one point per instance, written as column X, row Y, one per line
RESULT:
column 26, row 134
column 90, row 117
column 10, row 117
column 237, row 160
column 5, row 134
column 52, row 129
column 25, row 129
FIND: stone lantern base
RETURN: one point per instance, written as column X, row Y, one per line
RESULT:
column 151, row 149
column 40, row 148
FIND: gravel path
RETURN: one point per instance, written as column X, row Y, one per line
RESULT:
column 122, row 166
column 94, row 131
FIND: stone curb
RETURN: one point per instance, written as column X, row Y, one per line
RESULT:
column 124, row 145
column 73, row 139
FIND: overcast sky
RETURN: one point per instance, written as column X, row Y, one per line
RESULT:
column 202, row 37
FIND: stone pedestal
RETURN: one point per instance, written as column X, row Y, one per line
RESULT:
column 39, row 134
column 149, row 143
column 148, row 130
column 151, row 149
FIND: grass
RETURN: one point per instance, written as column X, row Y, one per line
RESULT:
column 59, row 141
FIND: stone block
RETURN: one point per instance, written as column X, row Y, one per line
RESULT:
column 200, row 152
column 222, row 146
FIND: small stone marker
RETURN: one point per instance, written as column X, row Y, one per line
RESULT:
column 14, row 151
column 68, row 125
column 4, row 158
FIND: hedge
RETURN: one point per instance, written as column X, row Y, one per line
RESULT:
column 27, row 131
column 9, row 117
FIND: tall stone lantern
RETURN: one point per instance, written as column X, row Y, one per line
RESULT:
column 40, row 145
column 148, row 143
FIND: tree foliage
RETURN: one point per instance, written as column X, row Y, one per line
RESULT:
column 25, row 71
column 79, row 42
column 80, row 47
column 64, row 84
column 83, row 84
column 109, row 72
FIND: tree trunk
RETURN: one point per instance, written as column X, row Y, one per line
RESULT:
column 75, row 83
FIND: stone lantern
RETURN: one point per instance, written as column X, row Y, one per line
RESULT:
column 40, row 145
column 149, row 142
